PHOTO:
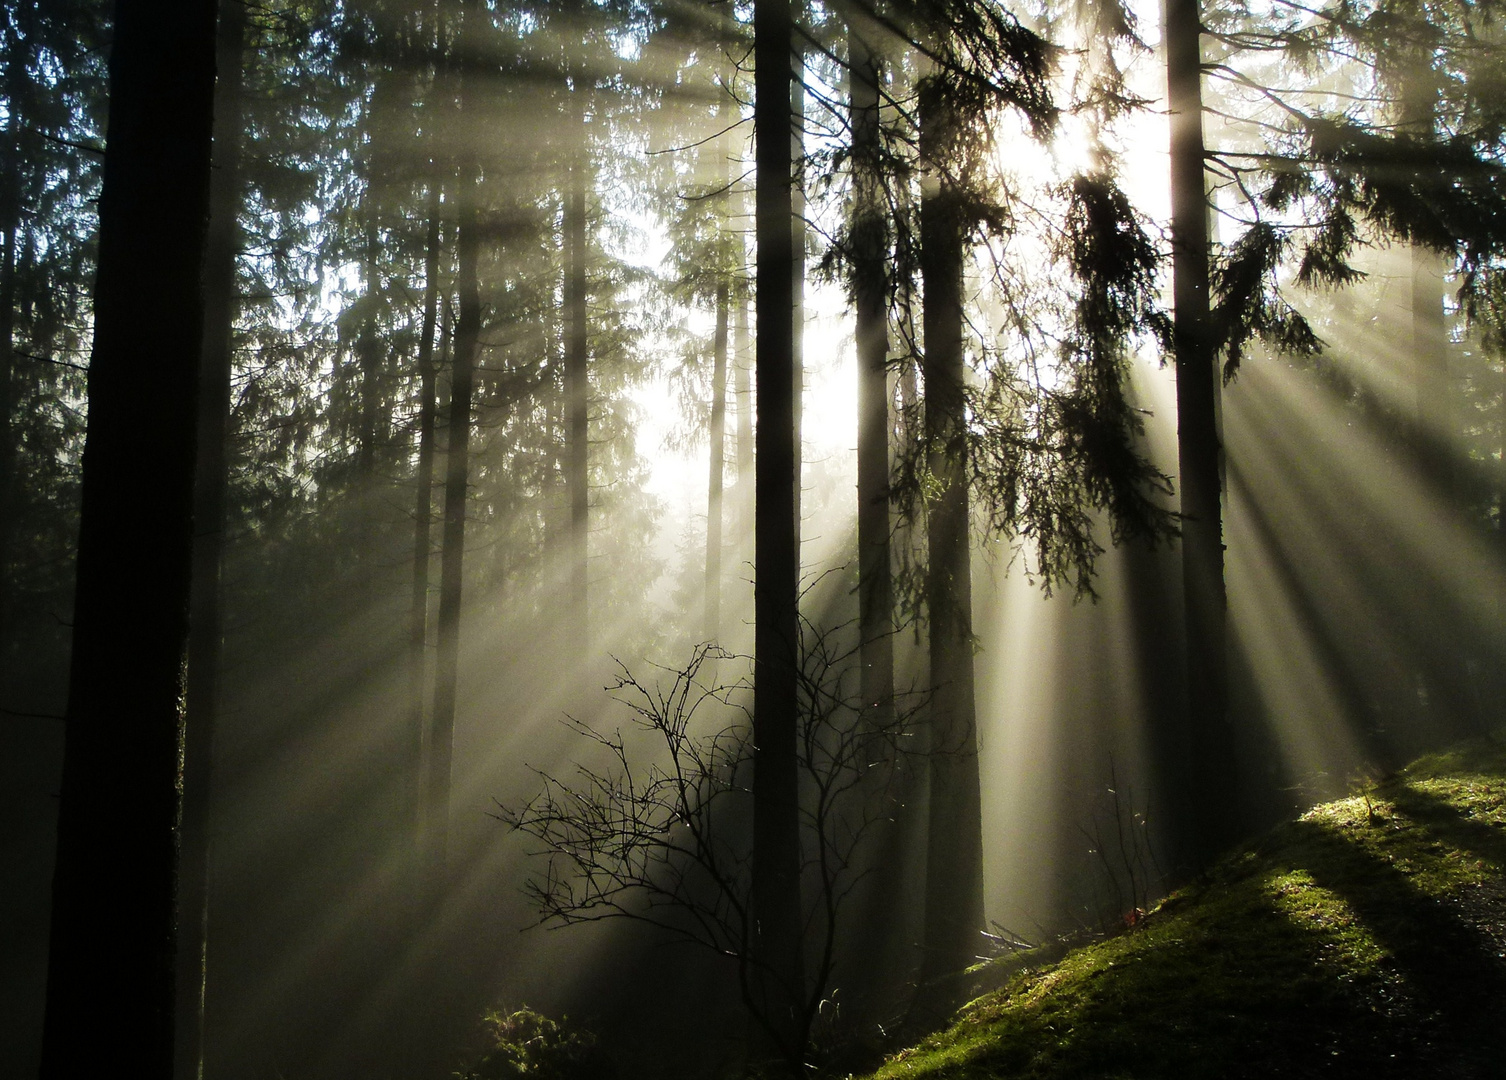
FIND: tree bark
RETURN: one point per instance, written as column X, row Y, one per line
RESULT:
column 718, row 438
column 578, row 392
column 205, row 634
column 742, row 390
column 776, row 823
column 1209, row 800
column 114, row 903
column 17, row 90
column 871, row 295
column 457, row 449
column 954, row 846
column 368, row 357
column 423, row 511
column 797, row 262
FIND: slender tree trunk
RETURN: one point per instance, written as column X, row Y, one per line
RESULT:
column 17, row 77
column 452, row 555
column 954, row 846
column 1209, row 803
column 1453, row 694
column 368, row 356
column 743, row 391
column 1498, row 641
column 423, row 513
column 713, row 606
column 578, row 392
column 1435, row 421
column 779, row 994
column 797, row 261
column 880, row 963
column 871, row 295
column 211, row 478
column 114, row 900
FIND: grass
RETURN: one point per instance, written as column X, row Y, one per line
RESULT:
column 1367, row 938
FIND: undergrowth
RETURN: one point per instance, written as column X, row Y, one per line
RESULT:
column 1367, row 938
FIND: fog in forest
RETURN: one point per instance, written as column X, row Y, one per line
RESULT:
column 446, row 633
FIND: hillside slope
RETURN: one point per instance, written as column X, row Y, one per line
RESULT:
column 1367, row 938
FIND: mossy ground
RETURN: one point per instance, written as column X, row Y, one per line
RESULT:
column 1367, row 938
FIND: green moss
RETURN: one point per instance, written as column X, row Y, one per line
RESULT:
column 1356, row 940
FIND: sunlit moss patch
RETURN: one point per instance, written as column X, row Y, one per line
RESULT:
column 1367, row 938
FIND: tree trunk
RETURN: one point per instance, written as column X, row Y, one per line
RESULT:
column 114, row 902
column 743, row 390
column 797, row 263
column 423, row 512
column 211, row 477
column 368, row 356
column 954, row 846
column 17, row 54
column 871, row 294
column 457, row 447
column 1209, row 802
column 779, row 991
column 713, row 606
column 578, row 394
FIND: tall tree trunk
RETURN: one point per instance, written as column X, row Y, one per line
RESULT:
column 578, row 392
column 881, row 962
column 1209, row 803
column 457, row 464
column 871, row 293
column 742, row 390
column 954, row 846
column 423, row 512
column 368, row 356
column 797, row 262
column 17, row 77
column 114, row 902
column 211, row 477
column 1452, row 692
column 1435, row 421
column 713, row 605
column 779, row 992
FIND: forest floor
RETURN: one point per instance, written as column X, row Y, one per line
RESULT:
column 1366, row 939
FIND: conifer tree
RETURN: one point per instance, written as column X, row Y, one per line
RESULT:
column 114, row 913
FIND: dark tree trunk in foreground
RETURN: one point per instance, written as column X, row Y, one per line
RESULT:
column 205, row 629
column 457, row 449
column 779, row 993
column 578, row 393
column 114, row 904
column 954, row 846
column 713, row 607
column 1207, row 802
column 423, row 511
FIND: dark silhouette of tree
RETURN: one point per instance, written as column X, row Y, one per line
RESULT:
column 1210, row 763
column 423, row 510
column 869, row 241
column 206, row 632
column 114, row 913
column 457, row 447
column 776, row 889
column 712, row 615
column 954, row 849
column 577, row 372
